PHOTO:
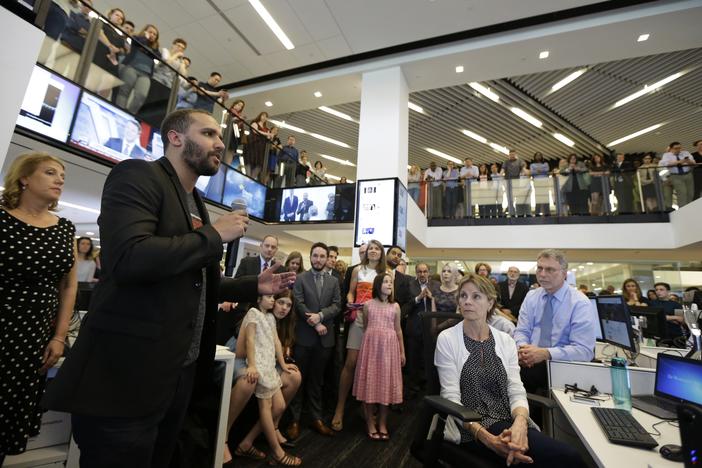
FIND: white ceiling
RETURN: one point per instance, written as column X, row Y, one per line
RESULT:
column 320, row 29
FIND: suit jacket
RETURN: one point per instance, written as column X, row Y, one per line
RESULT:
column 135, row 338
column 306, row 300
column 137, row 151
column 515, row 303
column 290, row 208
column 249, row 266
column 414, row 324
column 304, row 208
column 622, row 175
column 401, row 292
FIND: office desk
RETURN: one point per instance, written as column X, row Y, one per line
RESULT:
column 606, row 454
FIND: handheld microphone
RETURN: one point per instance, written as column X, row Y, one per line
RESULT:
column 239, row 204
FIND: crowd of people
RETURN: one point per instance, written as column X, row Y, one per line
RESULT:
column 305, row 340
column 648, row 183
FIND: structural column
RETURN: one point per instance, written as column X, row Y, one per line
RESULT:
column 383, row 131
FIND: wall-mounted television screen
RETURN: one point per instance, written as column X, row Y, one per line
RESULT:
column 238, row 186
column 112, row 133
column 48, row 105
column 309, row 204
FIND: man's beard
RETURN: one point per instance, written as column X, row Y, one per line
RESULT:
column 198, row 159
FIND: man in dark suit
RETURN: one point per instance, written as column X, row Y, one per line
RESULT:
column 290, row 207
column 401, row 281
column 420, row 301
column 623, row 183
column 512, row 291
column 316, row 304
column 128, row 145
column 150, row 327
column 303, row 208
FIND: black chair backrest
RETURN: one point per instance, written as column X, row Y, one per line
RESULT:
column 432, row 324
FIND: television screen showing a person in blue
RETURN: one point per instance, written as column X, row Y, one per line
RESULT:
column 309, row 204
column 110, row 132
column 238, row 186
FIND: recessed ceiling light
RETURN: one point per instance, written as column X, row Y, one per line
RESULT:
column 317, row 94
column 589, row 263
column 335, row 112
column 643, row 37
column 89, row 233
column 474, row 136
column 268, row 104
column 415, row 107
column 648, row 89
column 459, row 69
column 528, row 117
column 484, row 90
column 543, row 54
column 443, row 155
column 344, row 162
column 499, row 148
column 564, row 139
column 568, row 79
column 272, row 24
column 634, row 135
column 78, row 207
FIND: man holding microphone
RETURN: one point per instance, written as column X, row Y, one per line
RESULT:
column 151, row 325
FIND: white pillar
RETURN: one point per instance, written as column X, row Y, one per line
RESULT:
column 19, row 56
column 383, row 131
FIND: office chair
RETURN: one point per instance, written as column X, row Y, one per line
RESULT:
column 435, row 450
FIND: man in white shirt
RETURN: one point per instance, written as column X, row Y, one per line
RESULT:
column 434, row 174
column 680, row 164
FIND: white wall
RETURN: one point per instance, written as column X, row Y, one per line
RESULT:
column 19, row 53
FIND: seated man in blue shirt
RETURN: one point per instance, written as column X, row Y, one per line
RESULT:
column 555, row 322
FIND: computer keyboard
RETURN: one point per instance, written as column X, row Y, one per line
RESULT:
column 620, row 427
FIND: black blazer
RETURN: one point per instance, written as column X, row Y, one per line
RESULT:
column 623, row 174
column 134, row 340
column 515, row 303
column 401, row 292
column 249, row 266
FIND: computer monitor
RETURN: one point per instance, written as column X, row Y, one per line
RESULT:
column 679, row 378
column 615, row 322
column 593, row 309
column 655, row 323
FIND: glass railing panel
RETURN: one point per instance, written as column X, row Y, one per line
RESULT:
column 66, row 29
column 520, row 193
column 543, row 195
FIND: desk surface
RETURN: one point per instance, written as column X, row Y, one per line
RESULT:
column 607, row 454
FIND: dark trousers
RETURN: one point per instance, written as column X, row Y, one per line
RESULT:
column 625, row 197
column 332, row 371
column 415, row 359
column 545, row 451
column 143, row 442
column 535, row 380
column 311, row 360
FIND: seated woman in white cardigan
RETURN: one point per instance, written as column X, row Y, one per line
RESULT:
column 478, row 368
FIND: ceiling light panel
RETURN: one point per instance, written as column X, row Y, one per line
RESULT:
column 474, row 136
column 415, row 107
column 526, row 116
column 499, row 148
column 317, row 94
column 268, row 104
column 643, row 37
column 344, row 162
column 459, row 69
column 543, row 54
column 336, row 113
column 484, row 90
column 648, row 89
column 272, row 24
column 564, row 139
column 568, row 79
column 448, row 157
column 634, row 135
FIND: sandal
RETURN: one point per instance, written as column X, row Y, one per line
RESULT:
column 337, row 426
column 285, row 460
column 286, row 443
column 373, row 436
column 384, row 436
column 252, row 452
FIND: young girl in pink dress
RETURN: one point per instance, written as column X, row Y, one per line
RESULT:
column 378, row 379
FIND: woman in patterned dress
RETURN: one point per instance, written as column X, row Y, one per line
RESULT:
column 37, row 290
column 478, row 368
column 378, row 379
column 360, row 292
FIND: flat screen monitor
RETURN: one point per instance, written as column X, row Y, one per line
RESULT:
column 679, row 378
column 237, row 185
column 377, row 211
column 401, row 217
column 615, row 322
column 655, row 321
column 48, row 105
column 593, row 310
column 308, row 204
column 107, row 131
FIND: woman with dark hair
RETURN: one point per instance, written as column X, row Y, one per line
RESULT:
column 86, row 264
column 294, row 262
column 576, row 185
column 599, row 189
column 632, row 293
column 136, row 70
column 37, row 291
column 651, row 295
column 255, row 149
column 647, row 175
column 360, row 292
column 542, row 185
column 237, row 118
column 483, row 269
column 110, row 45
column 478, row 368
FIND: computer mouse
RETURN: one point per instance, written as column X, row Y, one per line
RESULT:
column 672, row 452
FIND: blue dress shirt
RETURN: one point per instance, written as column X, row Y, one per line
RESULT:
column 574, row 324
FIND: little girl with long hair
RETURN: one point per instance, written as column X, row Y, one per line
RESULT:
column 258, row 340
column 378, row 379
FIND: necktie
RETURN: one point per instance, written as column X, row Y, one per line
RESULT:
column 679, row 168
column 546, row 323
column 319, row 283
column 265, row 266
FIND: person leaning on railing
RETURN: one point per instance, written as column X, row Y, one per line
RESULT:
column 136, row 70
